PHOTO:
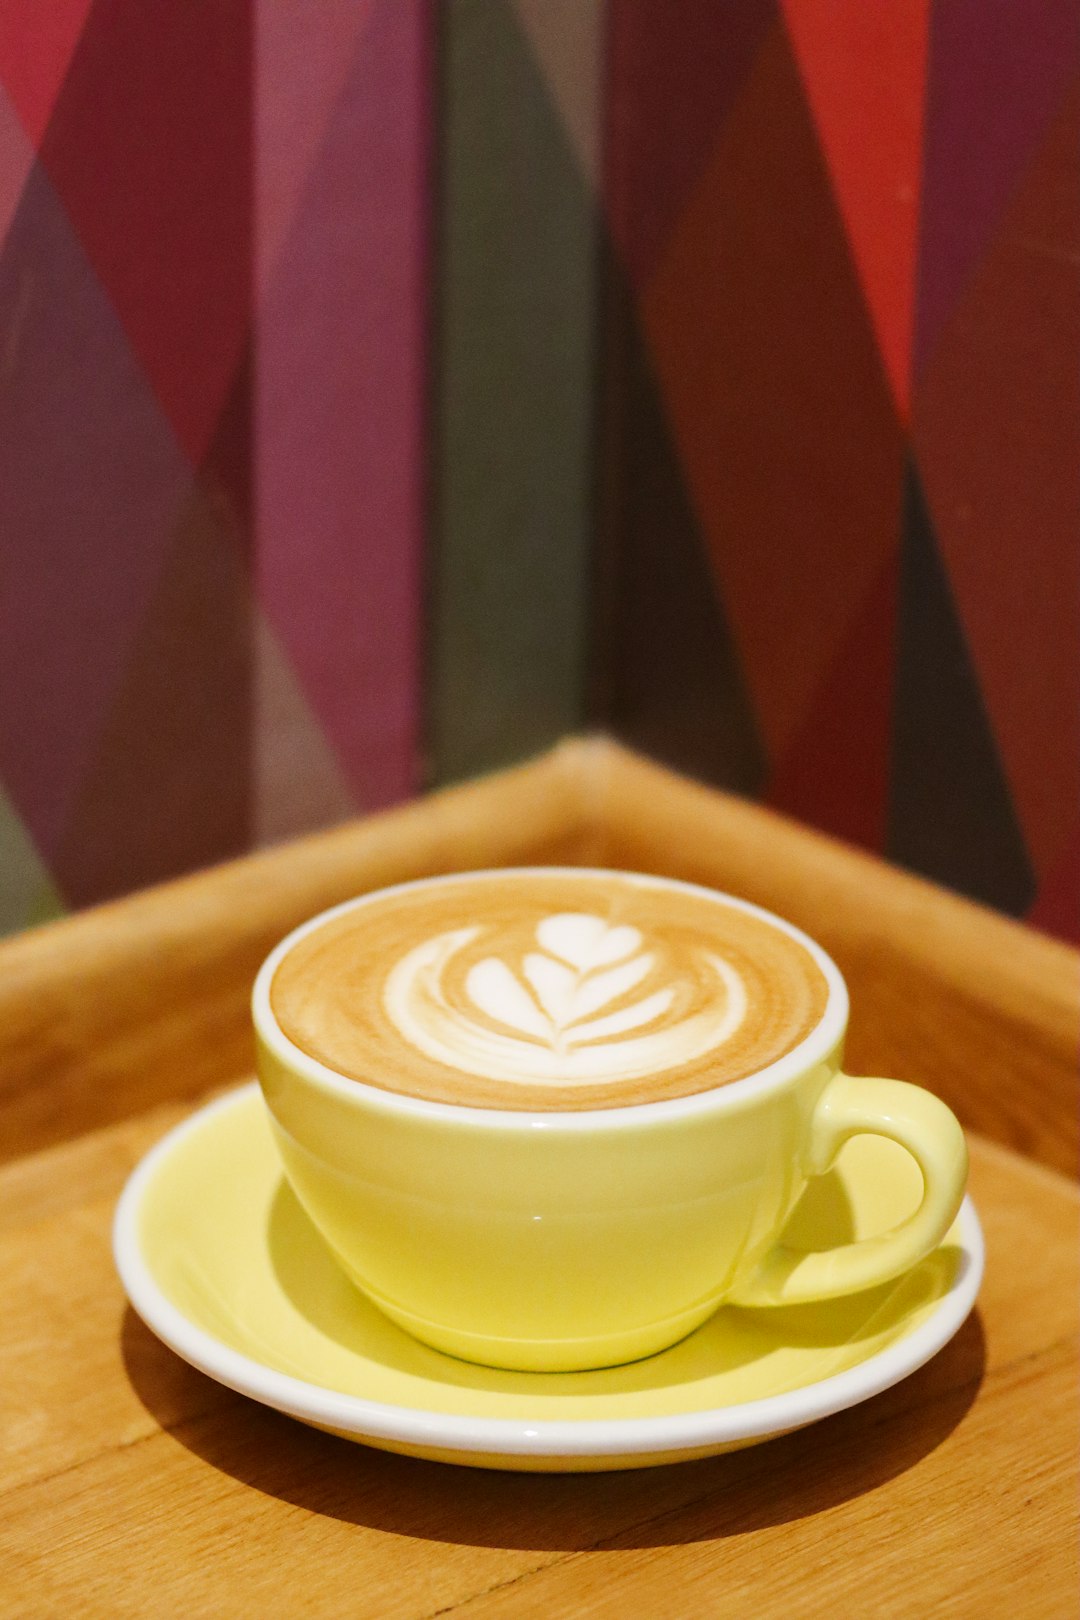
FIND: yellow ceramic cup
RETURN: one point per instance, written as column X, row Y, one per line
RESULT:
column 553, row 1241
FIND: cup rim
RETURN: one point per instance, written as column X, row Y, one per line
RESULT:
column 823, row 1039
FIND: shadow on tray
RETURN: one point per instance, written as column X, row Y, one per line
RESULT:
column 819, row 1467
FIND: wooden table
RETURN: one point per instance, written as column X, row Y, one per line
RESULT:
column 132, row 1485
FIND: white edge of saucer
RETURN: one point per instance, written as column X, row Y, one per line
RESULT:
column 587, row 1437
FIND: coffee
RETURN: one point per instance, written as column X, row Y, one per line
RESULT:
column 547, row 990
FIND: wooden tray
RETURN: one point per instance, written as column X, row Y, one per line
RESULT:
column 131, row 1485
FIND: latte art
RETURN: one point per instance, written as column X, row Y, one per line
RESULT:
column 537, row 989
column 592, row 1002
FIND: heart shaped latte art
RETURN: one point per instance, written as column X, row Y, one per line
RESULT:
column 580, row 1001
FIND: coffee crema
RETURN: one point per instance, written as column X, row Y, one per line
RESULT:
column 536, row 990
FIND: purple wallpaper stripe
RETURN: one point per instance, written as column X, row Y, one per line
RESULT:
column 340, row 392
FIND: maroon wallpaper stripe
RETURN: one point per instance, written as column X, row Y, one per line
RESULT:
column 388, row 386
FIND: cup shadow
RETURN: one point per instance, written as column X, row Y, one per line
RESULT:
column 780, row 1481
column 783, row 1480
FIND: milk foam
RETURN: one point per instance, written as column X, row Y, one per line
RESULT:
column 533, row 990
column 594, row 1002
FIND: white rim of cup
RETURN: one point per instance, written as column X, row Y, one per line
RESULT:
column 823, row 1039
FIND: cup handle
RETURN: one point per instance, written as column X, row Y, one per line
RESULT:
column 930, row 1132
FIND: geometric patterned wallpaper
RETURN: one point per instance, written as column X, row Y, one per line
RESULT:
column 388, row 387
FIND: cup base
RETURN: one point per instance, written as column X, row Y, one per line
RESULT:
column 549, row 1355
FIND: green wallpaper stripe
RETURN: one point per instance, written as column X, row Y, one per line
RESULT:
column 27, row 892
column 514, row 345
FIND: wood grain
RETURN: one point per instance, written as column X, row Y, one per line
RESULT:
column 132, row 1485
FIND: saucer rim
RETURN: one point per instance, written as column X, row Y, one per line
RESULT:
column 408, row 1426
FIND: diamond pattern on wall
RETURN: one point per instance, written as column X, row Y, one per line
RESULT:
column 182, row 467
column 864, row 69
column 950, row 813
column 1005, row 491
column 92, row 481
column 387, row 387
column 27, row 892
column 339, row 467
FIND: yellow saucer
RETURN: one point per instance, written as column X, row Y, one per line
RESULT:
column 222, row 1264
